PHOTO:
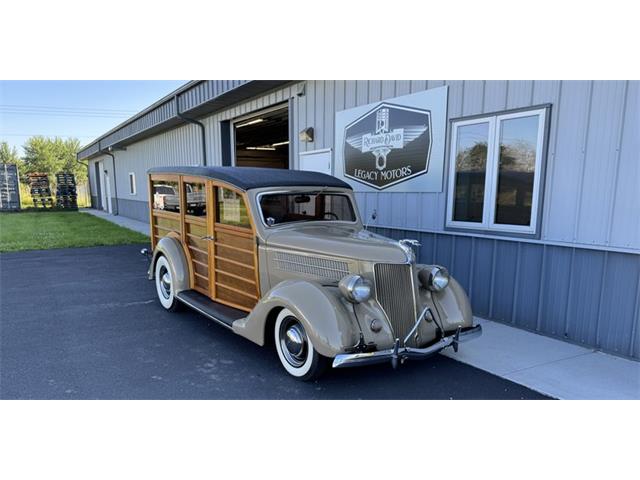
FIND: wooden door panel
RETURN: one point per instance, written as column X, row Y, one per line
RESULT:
column 235, row 260
column 195, row 228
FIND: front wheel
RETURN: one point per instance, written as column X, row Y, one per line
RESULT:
column 295, row 350
column 164, row 285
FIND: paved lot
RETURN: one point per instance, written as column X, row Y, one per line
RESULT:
column 84, row 323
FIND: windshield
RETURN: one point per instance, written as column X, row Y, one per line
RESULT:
column 304, row 207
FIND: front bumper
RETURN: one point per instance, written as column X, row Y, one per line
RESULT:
column 399, row 354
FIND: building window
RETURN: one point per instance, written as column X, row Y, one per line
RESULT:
column 495, row 172
column 132, row 183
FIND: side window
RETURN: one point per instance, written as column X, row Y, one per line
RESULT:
column 196, row 203
column 165, row 196
column 132, row 183
column 495, row 172
column 230, row 208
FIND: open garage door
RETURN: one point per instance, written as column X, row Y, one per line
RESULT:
column 262, row 140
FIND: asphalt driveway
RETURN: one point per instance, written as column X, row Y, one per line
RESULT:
column 84, row 323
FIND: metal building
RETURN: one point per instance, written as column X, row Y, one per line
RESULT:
column 529, row 191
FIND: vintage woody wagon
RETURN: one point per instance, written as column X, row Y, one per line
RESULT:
column 281, row 257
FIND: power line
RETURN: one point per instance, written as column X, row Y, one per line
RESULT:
column 43, row 107
column 65, row 114
column 45, row 135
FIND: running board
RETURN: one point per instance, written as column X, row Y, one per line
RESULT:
column 215, row 311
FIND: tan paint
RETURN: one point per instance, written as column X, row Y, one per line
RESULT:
column 171, row 247
column 321, row 310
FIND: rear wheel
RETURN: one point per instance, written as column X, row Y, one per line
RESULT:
column 164, row 285
column 295, row 350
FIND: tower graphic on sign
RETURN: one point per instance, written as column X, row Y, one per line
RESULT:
column 382, row 120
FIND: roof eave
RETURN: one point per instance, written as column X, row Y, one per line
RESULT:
column 195, row 98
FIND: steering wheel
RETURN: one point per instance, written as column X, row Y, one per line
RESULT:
column 332, row 214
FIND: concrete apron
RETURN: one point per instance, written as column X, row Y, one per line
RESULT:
column 126, row 222
column 553, row 367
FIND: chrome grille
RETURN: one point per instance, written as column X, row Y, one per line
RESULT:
column 315, row 266
column 394, row 292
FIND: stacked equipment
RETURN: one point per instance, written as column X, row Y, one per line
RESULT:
column 66, row 194
column 40, row 190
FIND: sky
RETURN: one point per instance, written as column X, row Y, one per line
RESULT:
column 81, row 109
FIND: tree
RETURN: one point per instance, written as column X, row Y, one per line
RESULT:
column 8, row 154
column 53, row 155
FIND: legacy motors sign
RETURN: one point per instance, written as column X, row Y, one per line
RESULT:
column 384, row 145
column 388, row 145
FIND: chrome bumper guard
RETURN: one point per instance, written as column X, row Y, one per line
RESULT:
column 398, row 354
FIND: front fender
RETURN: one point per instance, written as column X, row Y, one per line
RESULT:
column 322, row 311
column 452, row 304
column 171, row 248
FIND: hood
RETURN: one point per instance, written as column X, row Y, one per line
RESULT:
column 338, row 241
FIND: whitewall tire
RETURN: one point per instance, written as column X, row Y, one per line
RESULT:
column 164, row 284
column 295, row 350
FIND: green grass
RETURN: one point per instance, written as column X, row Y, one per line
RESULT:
column 38, row 230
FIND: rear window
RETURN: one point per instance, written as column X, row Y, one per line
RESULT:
column 165, row 196
column 305, row 207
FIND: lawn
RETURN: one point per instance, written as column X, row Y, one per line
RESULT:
column 50, row 229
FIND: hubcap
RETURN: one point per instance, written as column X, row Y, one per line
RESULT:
column 165, row 282
column 293, row 341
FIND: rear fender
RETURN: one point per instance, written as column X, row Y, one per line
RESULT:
column 322, row 311
column 171, row 248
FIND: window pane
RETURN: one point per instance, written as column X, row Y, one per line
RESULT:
column 516, row 170
column 196, row 199
column 307, row 206
column 165, row 196
column 471, row 165
column 231, row 209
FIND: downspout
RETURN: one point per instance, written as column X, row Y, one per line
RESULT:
column 88, row 178
column 195, row 122
column 115, row 181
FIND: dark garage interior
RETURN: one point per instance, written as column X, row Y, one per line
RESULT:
column 263, row 140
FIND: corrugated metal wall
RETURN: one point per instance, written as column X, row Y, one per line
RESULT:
column 180, row 146
column 586, row 296
column 593, row 167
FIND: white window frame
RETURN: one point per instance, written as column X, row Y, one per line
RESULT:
column 132, row 175
column 491, row 173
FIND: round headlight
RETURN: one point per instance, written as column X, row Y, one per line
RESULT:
column 355, row 288
column 434, row 278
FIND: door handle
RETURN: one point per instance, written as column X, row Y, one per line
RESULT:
column 208, row 237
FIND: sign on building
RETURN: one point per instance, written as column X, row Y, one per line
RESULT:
column 395, row 145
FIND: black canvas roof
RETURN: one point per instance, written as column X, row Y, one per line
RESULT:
column 247, row 178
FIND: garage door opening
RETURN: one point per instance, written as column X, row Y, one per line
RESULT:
column 263, row 140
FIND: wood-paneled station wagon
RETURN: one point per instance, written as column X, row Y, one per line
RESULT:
column 281, row 257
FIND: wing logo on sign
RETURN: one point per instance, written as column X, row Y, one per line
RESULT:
column 388, row 148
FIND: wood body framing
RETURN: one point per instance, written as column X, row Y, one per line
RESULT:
column 222, row 259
